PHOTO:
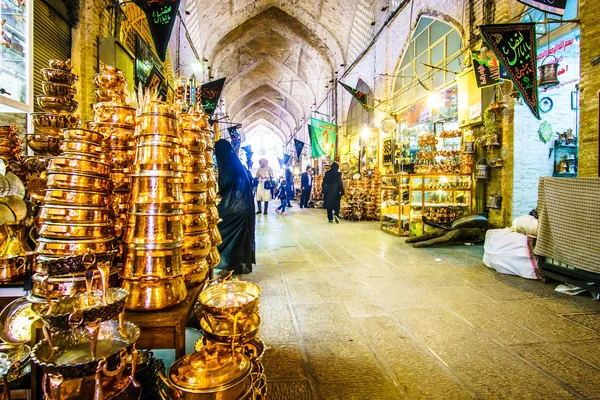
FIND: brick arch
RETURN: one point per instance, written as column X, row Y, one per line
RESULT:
column 264, row 90
column 262, row 103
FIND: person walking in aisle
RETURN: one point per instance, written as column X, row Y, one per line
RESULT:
column 333, row 190
column 306, row 185
column 281, row 194
column 289, row 178
column 264, row 174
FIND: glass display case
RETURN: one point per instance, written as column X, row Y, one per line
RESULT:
column 394, row 204
column 15, row 55
column 439, row 199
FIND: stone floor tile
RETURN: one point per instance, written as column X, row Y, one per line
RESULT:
column 277, row 323
column 591, row 321
column 567, row 306
column 284, row 361
column 570, row 370
column 553, row 327
column 324, row 322
column 440, row 280
column 588, row 351
column 289, row 390
column 503, row 292
column 459, row 295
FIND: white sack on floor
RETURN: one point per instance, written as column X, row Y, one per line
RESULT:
column 509, row 253
column 528, row 223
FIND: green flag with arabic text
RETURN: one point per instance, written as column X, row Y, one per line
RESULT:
column 322, row 138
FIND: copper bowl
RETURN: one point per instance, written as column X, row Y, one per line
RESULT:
column 154, row 228
column 11, row 268
column 161, row 261
column 153, row 293
column 82, row 148
column 109, row 130
column 208, row 158
column 195, row 222
column 156, row 189
column 196, row 246
column 76, row 231
column 121, row 158
column 104, row 94
column 86, row 135
column 158, row 156
column 43, row 120
column 63, row 248
column 76, row 198
column 194, row 202
column 195, row 272
column 195, row 165
column 194, row 182
column 212, row 213
column 75, row 164
column 59, row 76
column 219, row 330
column 58, row 89
column 43, row 144
column 60, row 286
column 230, row 298
column 153, row 123
column 114, row 112
column 215, row 235
column 75, row 181
column 213, row 257
column 57, row 104
column 121, row 143
column 110, row 81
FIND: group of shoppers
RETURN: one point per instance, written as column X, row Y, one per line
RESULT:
column 236, row 189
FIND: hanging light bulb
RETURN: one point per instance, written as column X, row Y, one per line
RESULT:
column 434, row 101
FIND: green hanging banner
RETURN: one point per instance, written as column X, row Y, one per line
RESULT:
column 362, row 98
column 515, row 46
column 161, row 15
column 322, row 138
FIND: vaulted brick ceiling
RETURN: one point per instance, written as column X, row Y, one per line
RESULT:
column 278, row 55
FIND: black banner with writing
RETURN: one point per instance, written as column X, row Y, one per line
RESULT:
column 515, row 46
column 299, row 146
column 161, row 15
column 209, row 95
column 362, row 98
column 550, row 6
column 486, row 67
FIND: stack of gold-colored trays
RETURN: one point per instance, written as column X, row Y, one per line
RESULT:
column 214, row 258
column 154, row 230
column 197, row 242
column 74, row 218
column 115, row 119
column 58, row 105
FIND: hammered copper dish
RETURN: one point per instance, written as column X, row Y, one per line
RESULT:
column 76, row 181
column 110, row 81
column 76, row 198
column 75, row 231
column 58, row 89
column 81, row 309
column 70, row 354
column 194, row 272
column 57, row 104
column 16, row 320
column 75, row 265
column 43, row 143
column 79, row 164
column 114, row 113
column 221, row 330
column 58, row 287
column 154, row 293
column 86, row 135
column 154, row 228
column 215, row 372
column 156, row 189
column 59, row 64
column 62, row 248
column 195, row 222
column 54, row 121
column 104, row 95
column 59, row 76
column 230, row 298
column 151, row 123
column 196, row 246
column 159, row 261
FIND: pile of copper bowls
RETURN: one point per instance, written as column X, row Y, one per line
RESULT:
column 74, row 217
column 154, row 228
column 197, row 242
column 115, row 119
column 10, row 144
column 58, row 105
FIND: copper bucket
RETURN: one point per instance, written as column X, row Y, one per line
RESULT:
column 196, row 247
column 154, row 293
column 548, row 73
column 156, row 189
column 162, row 261
column 154, row 228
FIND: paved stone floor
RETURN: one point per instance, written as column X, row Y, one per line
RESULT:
column 350, row 312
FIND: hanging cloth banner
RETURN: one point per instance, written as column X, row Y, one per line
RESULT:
column 234, row 135
column 286, row 158
column 161, row 16
column 209, row 95
column 247, row 149
column 322, row 138
column 550, row 6
column 486, row 67
column 515, row 46
column 299, row 146
column 281, row 163
column 362, row 98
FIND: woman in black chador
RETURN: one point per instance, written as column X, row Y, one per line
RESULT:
column 236, row 210
column 333, row 190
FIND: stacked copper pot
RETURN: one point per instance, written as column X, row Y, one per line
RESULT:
column 10, row 144
column 116, row 120
column 197, row 242
column 74, row 218
column 154, row 230
column 214, row 258
column 58, row 105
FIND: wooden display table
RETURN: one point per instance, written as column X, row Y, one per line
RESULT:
column 165, row 329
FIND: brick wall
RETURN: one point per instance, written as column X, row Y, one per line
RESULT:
column 590, row 86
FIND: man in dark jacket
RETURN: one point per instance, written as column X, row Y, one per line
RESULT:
column 306, row 184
